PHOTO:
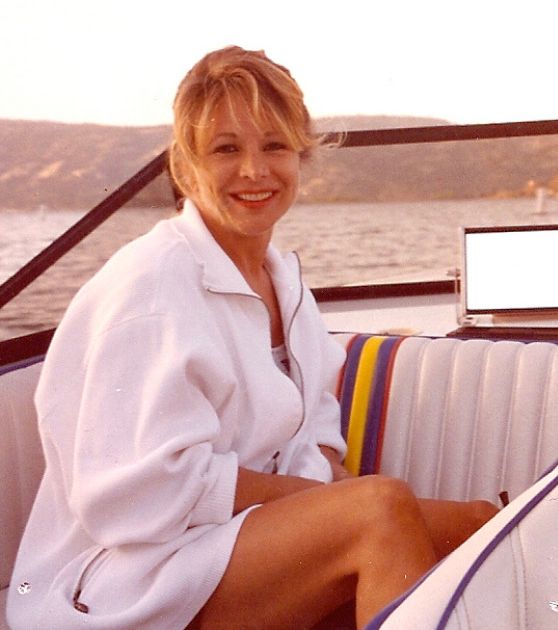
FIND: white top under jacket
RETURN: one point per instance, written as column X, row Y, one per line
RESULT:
column 158, row 384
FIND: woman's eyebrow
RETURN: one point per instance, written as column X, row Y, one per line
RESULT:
column 225, row 135
column 234, row 135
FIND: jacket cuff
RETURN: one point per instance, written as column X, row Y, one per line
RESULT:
column 217, row 502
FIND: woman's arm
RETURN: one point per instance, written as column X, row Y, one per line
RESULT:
column 256, row 487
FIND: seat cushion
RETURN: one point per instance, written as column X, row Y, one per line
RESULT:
column 504, row 576
column 21, row 458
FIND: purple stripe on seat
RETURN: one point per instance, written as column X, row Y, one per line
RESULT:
column 347, row 388
column 376, row 622
column 375, row 406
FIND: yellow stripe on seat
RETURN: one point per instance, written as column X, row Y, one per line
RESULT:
column 360, row 400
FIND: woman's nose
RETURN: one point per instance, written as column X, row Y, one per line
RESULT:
column 254, row 165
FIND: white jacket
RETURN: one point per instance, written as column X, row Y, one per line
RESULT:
column 158, row 384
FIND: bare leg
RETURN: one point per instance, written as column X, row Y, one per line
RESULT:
column 300, row 557
column 450, row 523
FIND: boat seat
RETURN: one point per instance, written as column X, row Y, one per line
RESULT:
column 21, row 462
column 504, row 576
column 457, row 419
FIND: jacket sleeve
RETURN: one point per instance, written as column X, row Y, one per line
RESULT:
column 143, row 468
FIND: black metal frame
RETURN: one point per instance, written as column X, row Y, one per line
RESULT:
column 89, row 222
column 448, row 133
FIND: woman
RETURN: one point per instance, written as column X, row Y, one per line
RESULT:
column 186, row 416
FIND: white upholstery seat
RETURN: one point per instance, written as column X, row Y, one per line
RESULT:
column 21, row 465
column 504, row 576
column 468, row 419
column 464, row 419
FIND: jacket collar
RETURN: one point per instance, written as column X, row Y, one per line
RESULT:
column 220, row 274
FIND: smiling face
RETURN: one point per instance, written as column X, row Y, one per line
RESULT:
column 247, row 175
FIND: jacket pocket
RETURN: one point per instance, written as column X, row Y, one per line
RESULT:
column 90, row 569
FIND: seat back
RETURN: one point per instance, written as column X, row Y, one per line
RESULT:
column 457, row 419
column 21, row 456
column 504, row 576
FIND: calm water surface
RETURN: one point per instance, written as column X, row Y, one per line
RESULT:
column 337, row 243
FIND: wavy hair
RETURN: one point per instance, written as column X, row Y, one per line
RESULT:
column 267, row 88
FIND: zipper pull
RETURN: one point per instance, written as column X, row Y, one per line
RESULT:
column 79, row 606
column 275, row 467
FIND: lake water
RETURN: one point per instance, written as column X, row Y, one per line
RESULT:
column 338, row 244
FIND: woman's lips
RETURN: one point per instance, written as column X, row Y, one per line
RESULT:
column 254, row 196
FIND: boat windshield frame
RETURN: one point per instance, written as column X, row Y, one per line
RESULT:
column 346, row 139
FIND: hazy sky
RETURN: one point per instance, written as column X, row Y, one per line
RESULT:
column 119, row 61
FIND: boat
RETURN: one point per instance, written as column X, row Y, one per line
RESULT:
column 459, row 412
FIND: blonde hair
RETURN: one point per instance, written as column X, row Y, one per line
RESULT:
column 267, row 88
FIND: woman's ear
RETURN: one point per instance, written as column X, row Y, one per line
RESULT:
column 188, row 183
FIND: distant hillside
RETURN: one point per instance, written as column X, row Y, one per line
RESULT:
column 70, row 166
column 76, row 166
column 445, row 170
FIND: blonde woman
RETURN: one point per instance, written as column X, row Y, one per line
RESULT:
column 193, row 447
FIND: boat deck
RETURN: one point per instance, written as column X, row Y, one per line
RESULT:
column 428, row 315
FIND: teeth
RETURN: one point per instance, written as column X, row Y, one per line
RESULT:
column 254, row 196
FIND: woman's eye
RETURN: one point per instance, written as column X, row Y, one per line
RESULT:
column 275, row 146
column 225, row 148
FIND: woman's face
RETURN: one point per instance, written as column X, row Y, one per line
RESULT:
column 247, row 176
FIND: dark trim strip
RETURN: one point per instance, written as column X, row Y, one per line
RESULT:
column 367, row 291
column 21, row 365
column 444, row 133
column 21, row 348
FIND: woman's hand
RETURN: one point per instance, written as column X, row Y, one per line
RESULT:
column 339, row 471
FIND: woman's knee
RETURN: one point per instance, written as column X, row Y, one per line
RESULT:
column 376, row 499
column 385, row 527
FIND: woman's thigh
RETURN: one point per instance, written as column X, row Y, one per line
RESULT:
column 297, row 559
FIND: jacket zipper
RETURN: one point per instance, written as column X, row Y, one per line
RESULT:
column 287, row 335
column 288, row 345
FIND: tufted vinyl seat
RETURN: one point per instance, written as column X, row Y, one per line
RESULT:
column 456, row 419
column 504, row 576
